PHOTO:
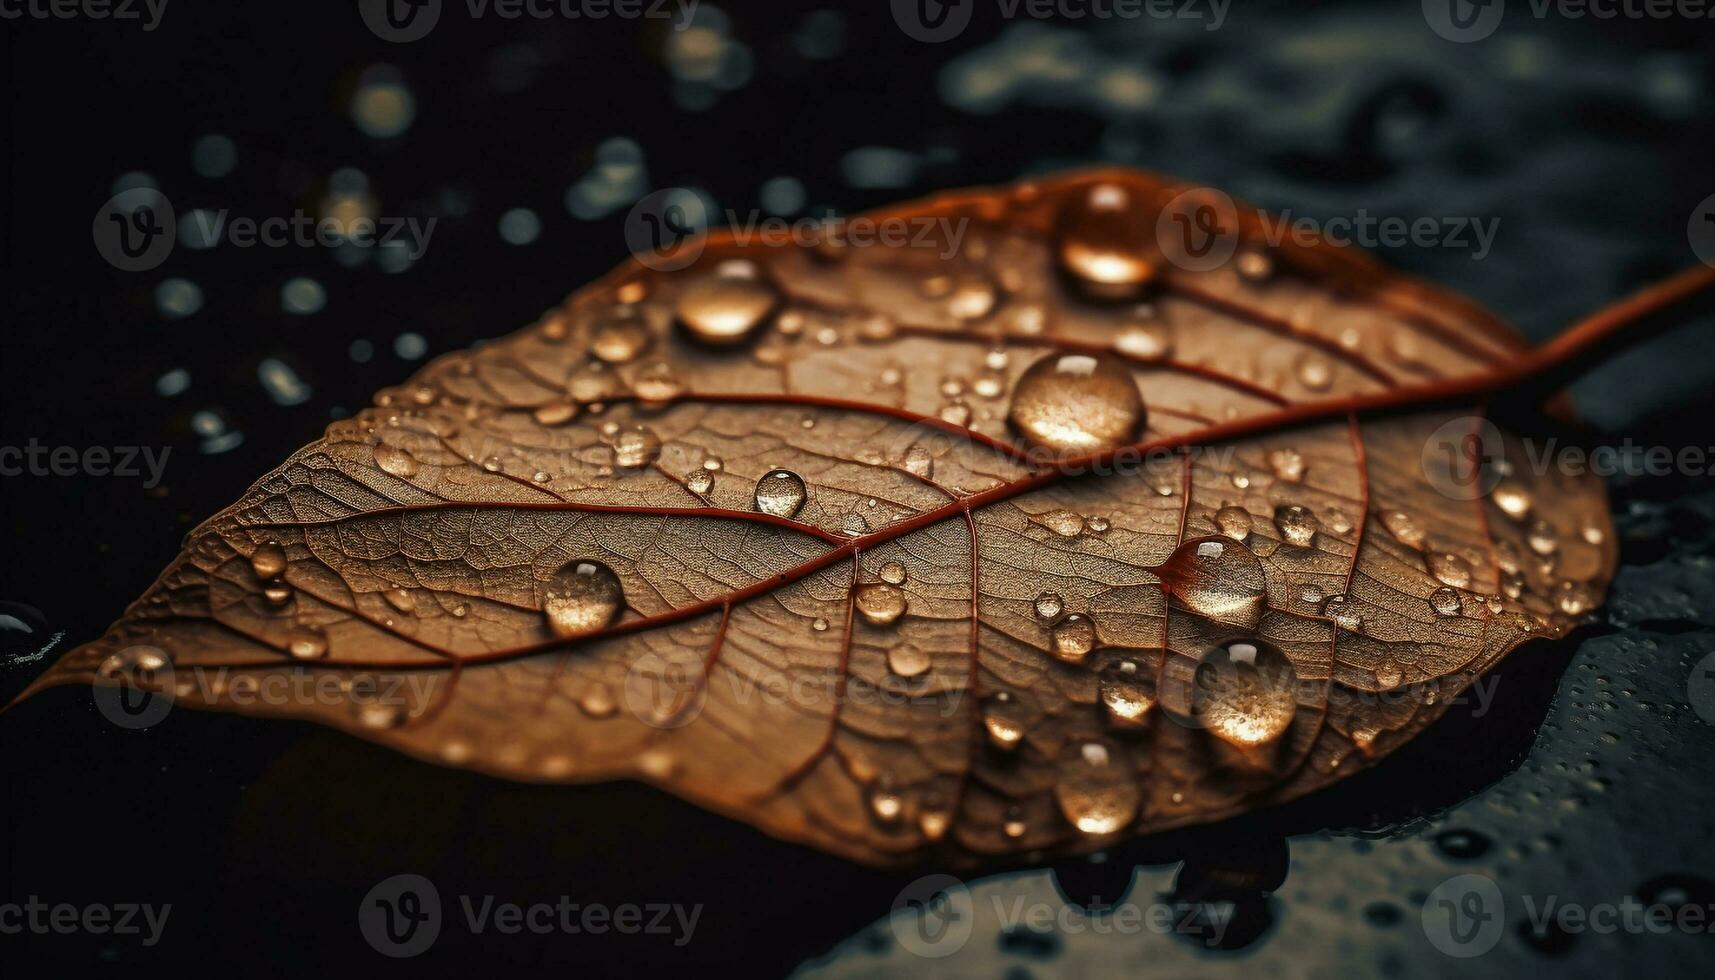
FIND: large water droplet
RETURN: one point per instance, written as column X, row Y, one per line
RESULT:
column 1127, row 694
column 880, row 603
column 1073, row 638
column 1245, row 694
column 1077, row 402
column 726, row 310
column 1446, row 602
column 395, row 461
column 1003, row 721
column 636, row 447
column 1450, row 569
column 1216, row 578
column 268, row 560
column 906, row 660
column 780, row 493
column 1298, row 525
column 1101, row 243
column 581, row 597
column 1097, row 791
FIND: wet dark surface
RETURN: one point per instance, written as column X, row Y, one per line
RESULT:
column 1586, row 779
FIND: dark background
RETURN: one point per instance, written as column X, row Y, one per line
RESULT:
column 1588, row 140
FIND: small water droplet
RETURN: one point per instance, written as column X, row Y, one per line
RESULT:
column 656, row 384
column 1097, row 791
column 1149, row 341
column 621, row 336
column 380, row 715
column 1233, row 522
column 1343, row 612
column 1288, row 464
column 1297, row 525
column 1450, row 569
column 1574, row 598
column 555, row 413
column 1446, row 601
column 395, row 461
column 268, row 561
column 277, row 594
column 820, row 625
column 1077, row 402
column 598, row 701
column 700, row 481
column 906, row 660
column 1543, row 538
column 1064, row 523
column 893, row 573
column 306, row 643
column 780, row 493
column 880, row 603
column 919, row 463
column 1003, row 721
column 401, row 599
column 1073, row 637
column 636, row 447
column 1127, row 695
column 1314, row 372
column 1513, row 500
column 886, row 805
column 1049, row 605
column 1403, row 527
column 580, row 597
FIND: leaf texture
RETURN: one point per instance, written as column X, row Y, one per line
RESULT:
column 867, row 546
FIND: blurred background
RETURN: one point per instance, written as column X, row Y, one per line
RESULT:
column 510, row 151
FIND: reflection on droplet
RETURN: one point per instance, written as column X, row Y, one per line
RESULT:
column 893, row 573
column 1446, row 601
column 726, row 310
column 401, row 599
column 268, row 560
column 1127, row 695
column 395, row 461
column 1297, row 525
column 1315, row 373
column 1073, row 637
column 1064, row 523
column 1244, row 694
column 1216, row 578
column 1049, row 605
column 555, row 413
column 277, row 594
column 886, row 805
column 1513, row 500
column 780, row 493
column 1101, row 243
column 700, row 481
column 1097, row 791
column 1077, row 402
column 880, row 603
column 1149, row 341
column 582, row 596
column 1343, row 612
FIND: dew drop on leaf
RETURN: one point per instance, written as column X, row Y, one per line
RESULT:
column 1101, row 243
column 893, row 573
column 1339, row 609
column 1233, row 522
column 395, row 461
column 906, row 660
column 1049, row 605
column 555, row 413
column 1073, row 637
column 306, row 643
column 1077, row 402
column 581, row 597
column 780, row 493
column 1403, row 527
column 1097, row 792
column 1126, row 694
column 880, row 603
column 726, row 310
column 1298, row 525
column 700, row 481
column 1244, row 694
column 1446, row 601
column 1217, row 578
column 1449, row 569
column 620, row 337
column 268, row 560
column 1003, row 722
column 636, row 447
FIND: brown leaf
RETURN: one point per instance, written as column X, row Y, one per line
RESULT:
column 1017, row 547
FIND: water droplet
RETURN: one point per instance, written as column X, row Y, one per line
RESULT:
column 636, row 447
column 700, row 481
column 1101, row 243
column 919, row 463
column 1126, row 693
column 1064, row 523
column 268, row 560
column 907, row 660
column 1593, row 535
column 1233, row 522
column 1145, row 341
column 820, row 625
column 989, row 385
column 621, row 336
column 1049, row 605
column 1574, row 598
column 1014, row 826
column 395, row 461
column 1314, row 372
column 726, row 310
column 1297, row 525
column 780, row 493
column 491, row 464
column 1543, row 538
column 880, row 603
column 1343, row 612
column 1254, row 266
column 893, row 573
column 1097, row 792
column 1450, row 569
column 886, row 805
column 1244, row 694
column 598, row 701
column 1073, row 637
column 401, row 599
column 971, row 300
column 582, row 596
column 1446, row 601
column 306, row 643
column 656, row 384
column 1462, row 845
column 1003, row 721
column 1513, row 500
column 1403, row 527
column 277, row 594
column 1216, row 578
column 555, row 413
column 379, row 715
column 1288, row 464
column 1098, row 525
column 934, row 824
column 1077, row 402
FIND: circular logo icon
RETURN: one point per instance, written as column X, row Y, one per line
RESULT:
column 1464, row 21
column 1701, row 230
column 666, row 690
column 400, row 21
column 933, row 916
column 401, row 917
column 1198, row 230
column 134, row 687
column 1465, row 458
column 667, row 229
column 1464, row 916
column 933, row 21
column 135, row 229
column 1700, row 688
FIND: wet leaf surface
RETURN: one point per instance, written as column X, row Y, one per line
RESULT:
column 1020, row 543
